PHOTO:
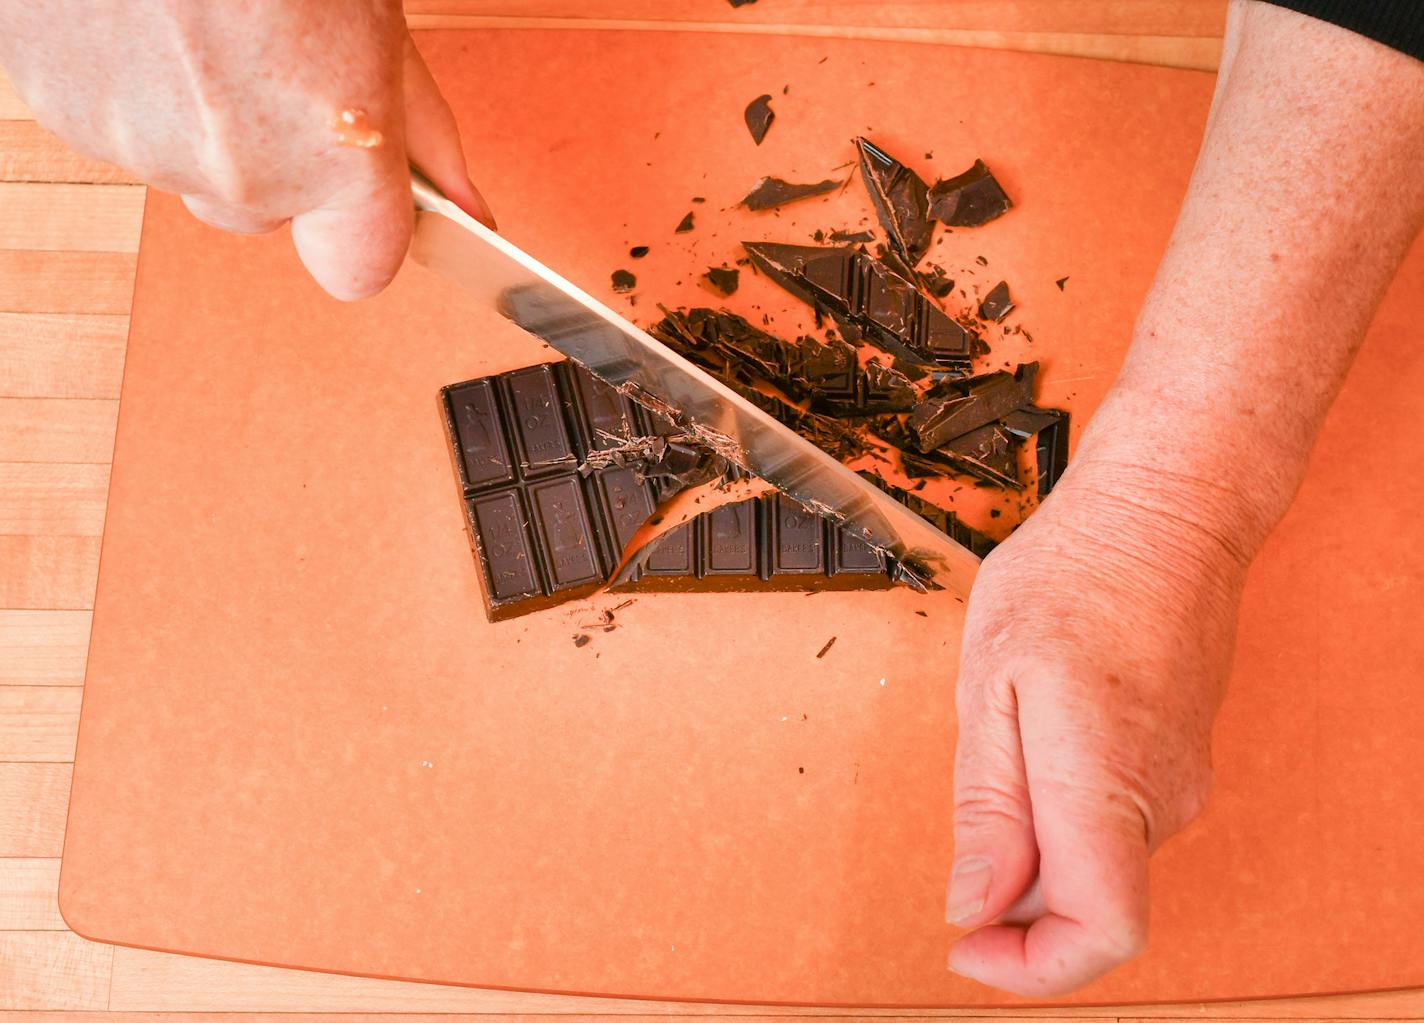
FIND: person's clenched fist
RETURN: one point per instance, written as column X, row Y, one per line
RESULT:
column 1096, row 646
column 257, row 113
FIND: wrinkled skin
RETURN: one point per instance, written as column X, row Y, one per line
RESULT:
column 231, row 105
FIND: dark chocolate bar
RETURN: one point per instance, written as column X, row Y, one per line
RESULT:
column 558, row 472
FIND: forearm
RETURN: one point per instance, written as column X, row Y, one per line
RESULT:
column 1306, row 196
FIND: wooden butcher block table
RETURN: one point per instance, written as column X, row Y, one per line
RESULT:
column 302, row 745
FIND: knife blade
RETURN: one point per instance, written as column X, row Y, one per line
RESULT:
column 469, row 255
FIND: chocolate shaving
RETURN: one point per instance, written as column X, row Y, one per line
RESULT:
column 759, row 116
column 770, row 193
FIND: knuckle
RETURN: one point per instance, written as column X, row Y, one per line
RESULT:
column 980, row 804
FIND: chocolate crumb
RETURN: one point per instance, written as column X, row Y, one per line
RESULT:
column 638, row 251
column 1060, row 282
column 827, row 648
column 686, row 225
column 581, row 640
column 723, row 280
column 624, row 282
column 997, row 304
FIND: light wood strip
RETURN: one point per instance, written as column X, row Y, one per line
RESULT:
column 61, row 355
column 79, row 218
column 45, row 573
column 53, row 970
column 1121, row 17
column 29, row 895
column 41, row 499
column 43, row 648
column 34, row 799
column 1188, row 52
column 66, row 282
column 11, row 107
column 30, row 153
column 38, row 724
column 155, row 982
column 57, row 430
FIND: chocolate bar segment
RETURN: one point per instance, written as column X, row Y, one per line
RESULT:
column 480, row 428
column 862, row 292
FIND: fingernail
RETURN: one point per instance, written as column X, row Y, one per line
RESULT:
column 968, row 888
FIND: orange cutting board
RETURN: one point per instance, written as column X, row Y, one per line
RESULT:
column 303, row 745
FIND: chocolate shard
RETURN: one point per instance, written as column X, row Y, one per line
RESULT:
column 741, row 3
column 901, row 201
column 990, row 453
column 958, row 407
column 1061, row 282
column 969, row 200
column 997, row 304
column 638, row 251
column 685, row 226
column 852, row 237
column 723, row 280
column 759, row 116
column 770, row 193
column 864, row 295
column 624, row 282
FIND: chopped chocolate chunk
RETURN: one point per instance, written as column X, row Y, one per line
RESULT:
column 901, row 201
column 759, row 116
column 624, row 282
column 685, row 226
column 581, row 640
column 990, row 453
column 1060, row 282
column 997, row 304
column 723, row 280
column 957, row 407
column 741, row 3
column 770, row 193
column 864, row 294
column 970, row 200
column 825, row 650
column 852, row 237
column 638, row 251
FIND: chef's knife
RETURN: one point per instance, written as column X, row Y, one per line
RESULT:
column 468, row 254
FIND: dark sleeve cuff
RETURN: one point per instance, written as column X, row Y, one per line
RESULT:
column 1396, row 23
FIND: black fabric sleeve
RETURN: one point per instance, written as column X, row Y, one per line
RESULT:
column 1396, row 23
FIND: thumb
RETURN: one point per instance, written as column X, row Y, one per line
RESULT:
column 995, row 850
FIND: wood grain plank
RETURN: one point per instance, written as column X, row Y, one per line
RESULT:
column 34, row 799
column 38, row 724
column 67, row 282
column 57, row 430
column 43, row 648
column 11, row 106
column 53, row 970
column 44, row 499
column 61, row 355
column 1187, row 52
column 1122, row 17
column 29, row 895
column 30, row 153
column 79, row 218
column 48, row 573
